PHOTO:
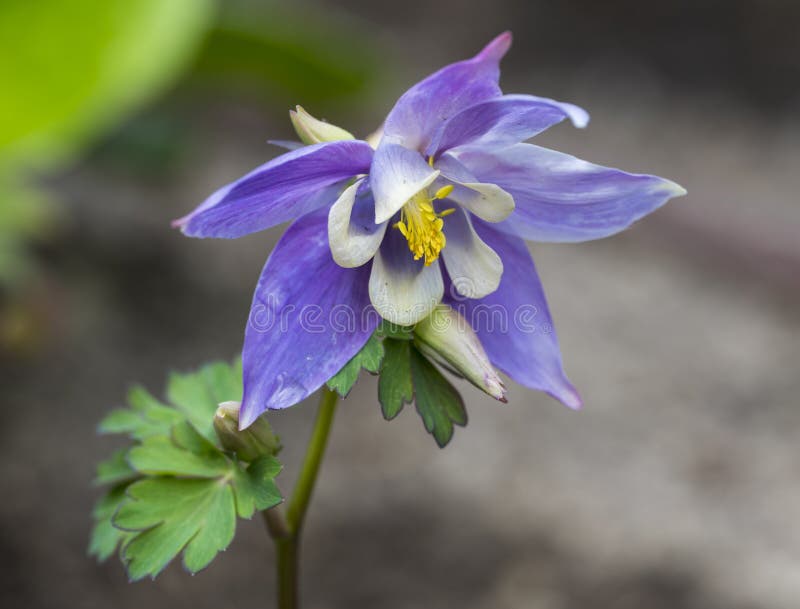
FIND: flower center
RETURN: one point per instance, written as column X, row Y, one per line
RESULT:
column 422, row 226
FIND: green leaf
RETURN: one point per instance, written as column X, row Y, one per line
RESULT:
column 407, row 375
column 194, row 508
column 161, row 456
column 148, row 406
column 114, row 469
column 224, row 381
column 120, row 420
column 198, row 394
column 193, row 397
column 438, row 402
column 255, row 488
column 389, row 330
column 105, row 537
column 395, row 387
column 183, row 491
column 170, row 515
column 369, row 358
column 146, row 417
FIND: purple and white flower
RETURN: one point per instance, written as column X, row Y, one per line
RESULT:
column 437, row 211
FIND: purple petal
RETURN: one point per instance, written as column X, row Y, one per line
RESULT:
column 286, row 188
column 286, row 144
column 504, row 121
column 422, row 109
column 308, row 318
column 561, row 198
column 514, row 323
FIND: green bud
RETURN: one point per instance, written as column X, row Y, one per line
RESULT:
column 314, row 131
column 445, row 337
column 248, row 444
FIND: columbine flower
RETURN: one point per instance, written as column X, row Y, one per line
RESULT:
column 449, row 182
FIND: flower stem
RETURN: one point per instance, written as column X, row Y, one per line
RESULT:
column 285, row 530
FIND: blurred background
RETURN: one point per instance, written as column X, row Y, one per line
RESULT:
column 678, row 485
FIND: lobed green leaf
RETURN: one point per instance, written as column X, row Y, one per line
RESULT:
column 407, row 375
column 169, row 515
column 438, row 402
column 395, row 387
column 369, row 358
column 176, row 490
column 115, row 469
column 105, row 537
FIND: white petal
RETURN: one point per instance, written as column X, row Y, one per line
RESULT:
column 352, row 243
column 396, row 175
column 401, row 289
column 487, row 201
column 473, row 266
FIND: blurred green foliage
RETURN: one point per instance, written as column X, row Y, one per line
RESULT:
column 25, row 213
column 72, row 71
column 75, row 68
column 306, row 55
column 69, row 71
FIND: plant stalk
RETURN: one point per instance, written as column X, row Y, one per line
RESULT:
column 285, row 529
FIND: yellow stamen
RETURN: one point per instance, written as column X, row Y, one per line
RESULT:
column 443, row 192
column 422, row 225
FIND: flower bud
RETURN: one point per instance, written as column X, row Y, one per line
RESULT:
column 314, row 131
column 248, row 444
column 445, row 337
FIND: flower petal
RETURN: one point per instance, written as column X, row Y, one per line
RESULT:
column 287, row 187
column 561, row 198
column 353, row 235
column 474, row 268
column 397, row 174
column 514, row 323
column 403, row 290
column 487, row 201
column 504, row 121
column 309, row 317
column 421, row 110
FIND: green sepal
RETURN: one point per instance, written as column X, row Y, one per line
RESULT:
column 369, row 358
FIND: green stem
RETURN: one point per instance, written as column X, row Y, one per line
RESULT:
column 287, row 553
column 285, row 530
